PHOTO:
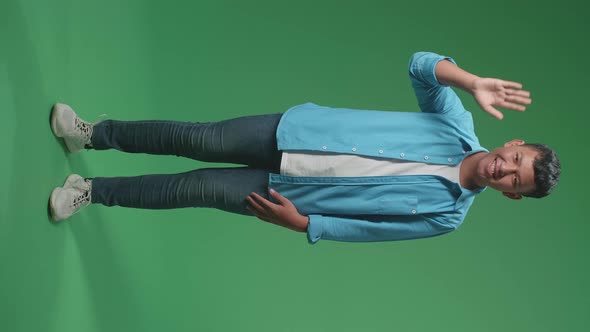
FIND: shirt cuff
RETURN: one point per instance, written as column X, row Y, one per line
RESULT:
column 424, row 64
column 441, row 58
column 314, row 228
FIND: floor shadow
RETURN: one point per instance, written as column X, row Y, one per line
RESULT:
column 38, row 244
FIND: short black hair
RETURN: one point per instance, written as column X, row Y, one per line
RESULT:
column 547, row 169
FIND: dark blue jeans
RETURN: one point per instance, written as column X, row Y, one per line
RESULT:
column 248, row 140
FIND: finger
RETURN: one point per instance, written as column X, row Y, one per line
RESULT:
column 519, row 100
column 512, row 106
column 266, row 204
column 252, row 209
column 280, row 198
column 521, row 93
column 259, row 209
column 510, row 84
column 263, row 217
column 494, row 112
column 259, row 216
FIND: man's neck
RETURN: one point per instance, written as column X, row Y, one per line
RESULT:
column 468, row 171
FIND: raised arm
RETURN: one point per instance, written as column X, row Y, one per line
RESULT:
column 488, row 92
column 433, row 97
column 432, row 75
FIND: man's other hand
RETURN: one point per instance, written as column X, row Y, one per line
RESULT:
column 283, row 214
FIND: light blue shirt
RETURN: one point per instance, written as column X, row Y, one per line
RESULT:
column 382, row 208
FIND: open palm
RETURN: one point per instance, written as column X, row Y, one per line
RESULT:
column 492, row 92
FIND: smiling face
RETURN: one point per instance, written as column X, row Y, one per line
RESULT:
column 509, row 169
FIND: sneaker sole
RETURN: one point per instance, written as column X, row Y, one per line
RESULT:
column 52, row 200
column 54, row 111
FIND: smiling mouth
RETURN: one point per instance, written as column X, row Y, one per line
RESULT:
column 492, row 168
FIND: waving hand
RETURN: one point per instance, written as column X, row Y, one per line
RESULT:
column 492, row 92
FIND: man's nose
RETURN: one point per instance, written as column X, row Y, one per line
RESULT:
column 508, row 168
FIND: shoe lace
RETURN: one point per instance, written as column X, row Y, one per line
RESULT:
column 81, row 199
column 86, row 127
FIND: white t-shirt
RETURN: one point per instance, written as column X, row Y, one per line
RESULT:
column 311, row 163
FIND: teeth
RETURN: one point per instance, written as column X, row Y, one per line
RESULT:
column 494, row 168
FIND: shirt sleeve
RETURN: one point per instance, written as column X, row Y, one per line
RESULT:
column 374, row 228
column 433, row 97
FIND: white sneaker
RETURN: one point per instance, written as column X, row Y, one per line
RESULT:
column 71, row 198
column 76, row 181
column 75, row 131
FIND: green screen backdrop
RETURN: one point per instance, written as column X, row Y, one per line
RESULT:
column 512, row 265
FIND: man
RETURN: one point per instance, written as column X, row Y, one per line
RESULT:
column 399, row 203
column 346, row 175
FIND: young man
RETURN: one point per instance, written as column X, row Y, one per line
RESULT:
column 342, row 174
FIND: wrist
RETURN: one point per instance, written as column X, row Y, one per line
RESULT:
column 304, row 223
column 474, row 84
column 450, row 74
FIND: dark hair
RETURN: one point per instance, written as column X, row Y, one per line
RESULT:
column 547, row 169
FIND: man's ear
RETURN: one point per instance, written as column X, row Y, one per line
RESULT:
column 512, row 195
column 513, row 143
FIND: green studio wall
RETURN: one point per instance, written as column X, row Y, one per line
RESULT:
column 512, row 266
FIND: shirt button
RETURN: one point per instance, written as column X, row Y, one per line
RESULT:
column 353, row 149
column 413, row 211
column 463, row 151
column 380, row 151
column 450, row 159
column 324, row 147
column 402, row 154
column 425, row 157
